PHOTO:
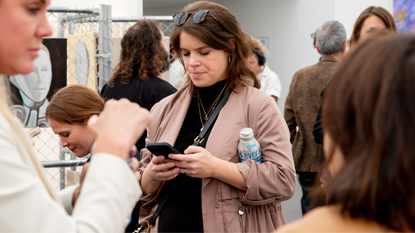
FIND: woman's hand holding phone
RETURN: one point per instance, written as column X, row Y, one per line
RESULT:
column 162, row 169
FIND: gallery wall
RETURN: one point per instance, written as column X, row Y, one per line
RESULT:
column 288, row 25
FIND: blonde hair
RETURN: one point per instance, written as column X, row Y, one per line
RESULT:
column 256, row 44
column 23, row 143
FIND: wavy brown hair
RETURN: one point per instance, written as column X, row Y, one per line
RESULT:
column 219, row 36
column 380, row 12
column 141, row 47
column 74, row 104
column 369, row 113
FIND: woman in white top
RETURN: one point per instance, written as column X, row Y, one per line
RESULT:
column 110, row 189
column 270, row 83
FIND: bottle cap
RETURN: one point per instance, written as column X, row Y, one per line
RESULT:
column 246, row 133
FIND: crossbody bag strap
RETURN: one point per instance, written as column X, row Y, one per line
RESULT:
column 199, row 139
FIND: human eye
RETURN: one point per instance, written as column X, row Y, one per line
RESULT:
column 65, row 135
column 204, row 53
column 33, row 8
column 185, row 53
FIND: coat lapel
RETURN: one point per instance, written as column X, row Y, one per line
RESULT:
column 170, row 126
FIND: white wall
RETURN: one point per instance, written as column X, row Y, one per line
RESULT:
column 120, row 8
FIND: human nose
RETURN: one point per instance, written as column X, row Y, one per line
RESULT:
column 64, row 142
column 194, row 60
column 44, row 28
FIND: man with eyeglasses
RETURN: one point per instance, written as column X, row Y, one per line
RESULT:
column 303, row 102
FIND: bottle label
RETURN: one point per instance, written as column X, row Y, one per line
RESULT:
column 252, row 152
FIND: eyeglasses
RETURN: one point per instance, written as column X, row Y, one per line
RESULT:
column 199, row 16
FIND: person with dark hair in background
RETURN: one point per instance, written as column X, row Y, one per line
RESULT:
column 270, row 83
column 209, row 189
column 369, row 134
column 303, row 102
column 144, row 56
column 370, row 20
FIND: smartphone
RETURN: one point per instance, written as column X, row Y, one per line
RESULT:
column 162, row 148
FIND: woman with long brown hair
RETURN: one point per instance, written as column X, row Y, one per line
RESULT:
column 143, row 58
column 369, row 123
column 209, row 188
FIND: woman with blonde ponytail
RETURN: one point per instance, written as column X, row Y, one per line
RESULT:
column 109, row 190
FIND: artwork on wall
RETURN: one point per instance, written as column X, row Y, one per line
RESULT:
column 31, row 92
column 404, row 14
column 82, row 63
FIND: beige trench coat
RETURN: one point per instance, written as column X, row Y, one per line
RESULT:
column 268, row 183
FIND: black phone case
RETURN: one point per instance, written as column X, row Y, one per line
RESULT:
column 162, row 148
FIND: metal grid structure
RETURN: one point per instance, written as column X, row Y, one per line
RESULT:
column 95, row 28
column 89, row 62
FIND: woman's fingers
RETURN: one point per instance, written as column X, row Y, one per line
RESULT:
column 118, row 126
column 168, row 174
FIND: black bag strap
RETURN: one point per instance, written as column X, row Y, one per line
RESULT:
column 197, row 141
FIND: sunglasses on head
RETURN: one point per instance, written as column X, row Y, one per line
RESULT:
column 199, row 16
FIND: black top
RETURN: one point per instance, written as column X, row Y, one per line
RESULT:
column 183, row 210
column 144, row 93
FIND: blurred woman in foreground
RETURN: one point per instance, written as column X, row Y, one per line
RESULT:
column 109, row 190
column 368, row 141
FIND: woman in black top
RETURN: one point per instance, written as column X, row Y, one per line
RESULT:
column 210, row 189
column 143, row 58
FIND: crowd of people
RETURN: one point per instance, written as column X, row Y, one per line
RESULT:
column 358, row 102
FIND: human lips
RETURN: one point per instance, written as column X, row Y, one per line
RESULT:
column 197, row 74
column 34, row 52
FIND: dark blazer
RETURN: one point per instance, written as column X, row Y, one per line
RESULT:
column 301, row 108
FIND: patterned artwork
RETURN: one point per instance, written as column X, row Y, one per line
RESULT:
column 404, row 14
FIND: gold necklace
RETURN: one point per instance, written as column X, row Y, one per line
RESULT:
column 212, row 108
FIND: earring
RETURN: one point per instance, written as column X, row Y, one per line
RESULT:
column 229, row 59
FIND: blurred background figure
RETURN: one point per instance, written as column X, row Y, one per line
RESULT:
column 369, row 122
column 370, row 20
column 270, row 83
column 33, row 88
column 303, row 103
column 143, row 58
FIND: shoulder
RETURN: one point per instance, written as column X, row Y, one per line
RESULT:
column 306, row 70
column 256, row 102
column 329, row 219
column 251, row 94
column 168, row 102
column 160, row 84
column 269, row 73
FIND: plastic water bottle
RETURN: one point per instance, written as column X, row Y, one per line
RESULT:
column 248, row 147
